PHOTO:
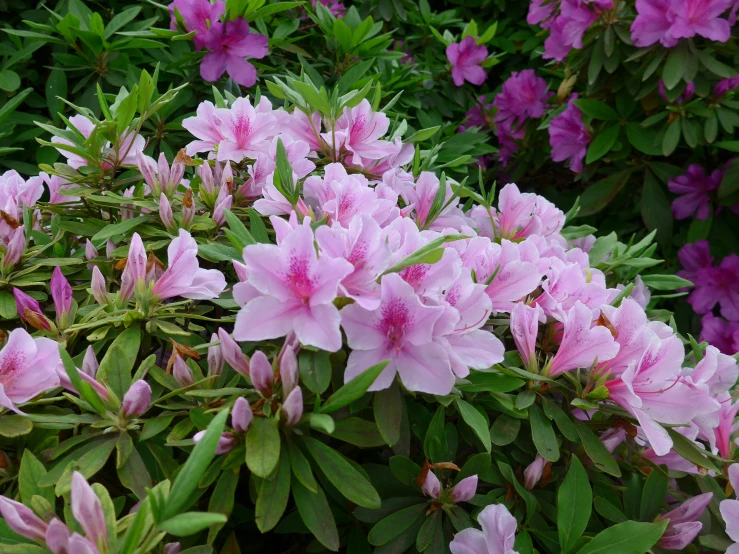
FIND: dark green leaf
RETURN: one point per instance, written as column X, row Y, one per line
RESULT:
column 354, row 389
column 262, row 446
column 629, row 537
column 574, row 505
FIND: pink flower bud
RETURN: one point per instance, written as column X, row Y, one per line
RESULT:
column 162, row 171
column 261, row 372
column 165, row 213
column 97, row 285
column 135, row 270
column 613, row 437
column 532, row 474
column 172, row 548
column 90, row 363
column 57, row 537
column 137, row 399
column 30, row 311
column 188, row 209
column 67, row 384
column 61, row 293
column 109, row 247
column 80, row 545
column 225, row 443
column 232, row 353
column 240, row 269
column 182, row 372
column 293, row 406
column 176, row 172
column 22, row 520
column 218, row 216
column 431, row 486
column 465, row 489
column 90, row 251
column 289, row 370
column 215, row 357
column 206, row 179
column 147, row 168
column 241, row 415
column 15, row 248
column 88, row 511
column 224, row 175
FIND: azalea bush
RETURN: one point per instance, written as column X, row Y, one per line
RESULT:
column 292, row 336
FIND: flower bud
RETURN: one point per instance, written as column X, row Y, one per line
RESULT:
column 293, row 406
column 232, row 353
column 30, row 311
column 182, row 372
column 97, row 286
column 90, row 363
column 146, row 167
column 207, row 184
column 65, row 382
column 90, row 250
column 261, row 372
column 225, row 443
column 225, row 204
column 215, row 357
column 165, row 213
column 464, row 490
column 240, row 269
column 22, row 520
column 57, row 537
column 88, row 511
column 532, row 474
column 137, row 399
column 109, row 247
column 172, row 548
column 176, row 172
column 188, row 209
column 241, row 415
column 288, row 370
column 80, row 545
column 162, row 172
column 431, row 486
column 15, row 249
column 61, row 293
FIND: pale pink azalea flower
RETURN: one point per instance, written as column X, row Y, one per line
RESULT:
column 582, row 344
column 66, row 382
column 230, row 44
column 466, row 57
column 305, row 128
column 512, row 278
column 56, row 184
column 521, row 215
column 401, row 331
column 498, row 533
column 421, row 197
column 524, row 328
column 716, row 373
column 206, row 127
column 297, row 154
column 461, row 492
column 244, row 129
column 298, row 289
column 729, row 509
column 362, row 246
column 88, row 511
column 27, row 368
column 15, row 193
column 358, row 130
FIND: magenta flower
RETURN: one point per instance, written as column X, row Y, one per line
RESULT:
column 694, row 257
column 540, row 13
column 498, row 533
column 197, row 16
column 568, row 28
column 400, row 330
column 718, row 285
column 569, row 137
column 298, row 289
column 27, row 368
column 582, row 344
column 359, row 130
column 466, row 57
column 700, row 17
column 720, row 333
column 334, row 6
column 524, row 96
column 244, row 130
column 694, row 188
column 684, row 525
column 230, row 44
column 653, row 23
column 725, row 86
column 686, row 95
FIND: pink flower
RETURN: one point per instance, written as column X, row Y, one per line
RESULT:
column 465, row 489
column 684, row 525
column 694, row 188
column 694, row 257
column 16, row 247
column 524, row 328
column 22, row 520
column 230, row 43
column 232, row 353
column 540, row 13
column 215, row 357
column 182, row 372
column 90, row 363
column 729, row 509
column 61, row 293
column 123, row 153
column 582, row 344
column 569, row 137
column 524, row 96
column 700, row 17
column 466, row 58
column 137, row 399
column 401, row 331
column 722, row 334
column 261, row 372
column 431, row 485
column 184, row 277
column 206, row 126
column 88, row 511
column 27, row 368
column 497, row 536
column 244, row 130
column 521, row 215
column 55, row 185
column 298, row 289
column 653, row 23
column 197, row 15
column 359, row 130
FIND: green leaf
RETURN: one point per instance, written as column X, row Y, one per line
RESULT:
column 674, row 67
column 423, row 134
column 671, row 138
column 665, row 282
column 316, row 514
column 574, row 505
column 15, row 426
column 358, row 431
column 31, row 472
column 134, row 475
column 195, row 466
column 629, row 537
column 273, row 497
column 239, row 232
column 483, row 381
column 350, row 483
column 119, row 228
column 543, row 434
column 393, row 525
column 388, row 409
column 435, row 442
column 597, row 109
column 428, row 530
column 354, row 389
column 730, row 145
column 10, row 106
column 598, row 453
column 262, row 446
column 563, row 421
column 602, row 144
column 56, row 87
column 730, row 181
column 300, row 466
column 184, row 525
column 504, row 430
column 688, row 450
column 9, row 80
column 655, row 209
column 476, row 421
column 315, row 370
column 598, row 195
column 654, row 494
